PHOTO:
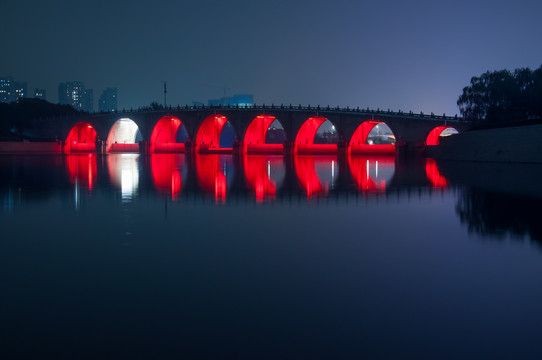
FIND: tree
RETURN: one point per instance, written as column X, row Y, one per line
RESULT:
column 503, row 97
column 156, row 106
column 19, row 115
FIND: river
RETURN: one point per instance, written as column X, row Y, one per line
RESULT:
column 317, row 257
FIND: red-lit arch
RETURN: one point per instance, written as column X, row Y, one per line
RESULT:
column 82, row 169
column 367, row 171
column 258, row 177
column 254, row 141
column 166, row 173
column 304, row 141
column 358, row 143
column 208, row 136
column 163, row 137
column 433, row 174
column 81, row 138
column 436, row 134
column 307, row 175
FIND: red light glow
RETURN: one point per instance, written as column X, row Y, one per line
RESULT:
column 433, row 174
column 254, row 142
column 208, row 136
column 315, row 174
column 81, row 138
column 211, row 176
column 166, row 173
column 371, row 173
column 258, row 177
column 435, row 135
column 358, row 144
column 304, row 141
column 82, row 169
column 163, row 137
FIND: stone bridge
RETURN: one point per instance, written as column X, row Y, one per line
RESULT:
column 116, row 132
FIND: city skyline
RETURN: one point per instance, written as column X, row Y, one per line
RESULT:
column 416, row 56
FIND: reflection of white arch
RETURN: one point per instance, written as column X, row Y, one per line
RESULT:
column 124, row 131
column 124, row 173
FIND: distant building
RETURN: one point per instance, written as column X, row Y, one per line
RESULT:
column 40, row 94
column 75, row 94
column 108, row 100
column 11, row 90
column 235, row 100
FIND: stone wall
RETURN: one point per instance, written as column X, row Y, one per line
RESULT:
column 511, row 144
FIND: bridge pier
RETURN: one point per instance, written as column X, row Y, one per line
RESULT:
column 144, row 147
column 413, row 148
column 288, row 148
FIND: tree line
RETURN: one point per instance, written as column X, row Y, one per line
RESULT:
column 500, row 98
column 17, row 115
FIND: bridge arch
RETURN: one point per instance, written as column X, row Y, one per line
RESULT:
column 255, row 140
column 123, row 136
column 81, row 138
column 164, row 136
column 372, row 137
column 208, row 137
column 304, row 141
column 438, row 133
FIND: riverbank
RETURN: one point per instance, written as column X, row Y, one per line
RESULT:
column 519, row 144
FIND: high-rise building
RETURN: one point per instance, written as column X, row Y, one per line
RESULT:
column 108, row 100
column 40, row 93
column 75, row 94
column 11, row 90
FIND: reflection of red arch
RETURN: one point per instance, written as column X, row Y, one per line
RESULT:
column 258, row 178
column 254, row 142
column 163, row 137
column 211, row 176
column 306, row 173
column 81, row 138
column 360, row 169
column 166, row 173
column 304, row 141
column 434, row 136
column 82, row 168
column 208, row 137
column 434, row 176
column 358, row 143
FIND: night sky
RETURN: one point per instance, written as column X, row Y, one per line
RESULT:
column 401, row 55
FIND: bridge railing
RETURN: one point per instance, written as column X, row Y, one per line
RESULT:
column 290, row 107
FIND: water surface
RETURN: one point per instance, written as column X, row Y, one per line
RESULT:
column 268, row 257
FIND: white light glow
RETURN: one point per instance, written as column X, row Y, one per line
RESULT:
column 124, row 173
column 124, row 131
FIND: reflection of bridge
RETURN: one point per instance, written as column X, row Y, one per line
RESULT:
column 263, row 177
column 159, row 130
